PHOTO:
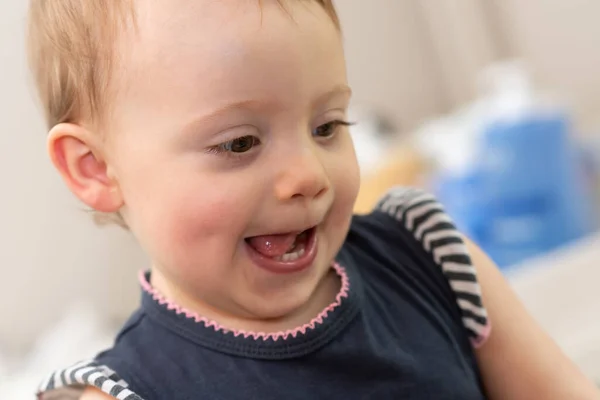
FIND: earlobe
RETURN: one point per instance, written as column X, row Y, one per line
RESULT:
column 76, row 154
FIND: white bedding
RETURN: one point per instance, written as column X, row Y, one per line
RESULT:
column 78, row 336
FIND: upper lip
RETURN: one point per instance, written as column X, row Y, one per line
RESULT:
column 285, row 232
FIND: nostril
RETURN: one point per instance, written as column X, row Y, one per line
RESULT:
column 316, row 195
column 321, row 192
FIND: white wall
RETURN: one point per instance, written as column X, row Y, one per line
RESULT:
column 391, row 63
column 560, row 40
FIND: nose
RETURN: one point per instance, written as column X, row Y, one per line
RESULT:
column 302, row 175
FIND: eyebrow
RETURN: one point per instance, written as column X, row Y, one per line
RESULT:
column 249, row 105
column 339, row 90
column 234, row 106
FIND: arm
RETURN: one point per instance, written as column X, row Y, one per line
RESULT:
column 91, row 393
column 519, row 360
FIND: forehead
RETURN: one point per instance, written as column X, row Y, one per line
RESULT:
column 189, row 53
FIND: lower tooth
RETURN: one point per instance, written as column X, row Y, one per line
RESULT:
column 291, row 256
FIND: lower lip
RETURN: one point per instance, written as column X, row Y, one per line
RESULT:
column 289, row 267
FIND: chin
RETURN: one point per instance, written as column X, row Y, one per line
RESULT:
column 281, row 311
column 285, row 299
column 283, row 304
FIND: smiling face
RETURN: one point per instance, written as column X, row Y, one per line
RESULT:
column 231, row 130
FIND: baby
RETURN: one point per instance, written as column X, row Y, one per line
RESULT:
column 216, row 132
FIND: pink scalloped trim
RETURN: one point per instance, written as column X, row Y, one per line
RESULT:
column 301, row 330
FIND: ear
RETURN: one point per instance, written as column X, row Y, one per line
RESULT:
column 75, row 152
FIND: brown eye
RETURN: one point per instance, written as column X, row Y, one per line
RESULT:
column 240, row 145
column 329, row 129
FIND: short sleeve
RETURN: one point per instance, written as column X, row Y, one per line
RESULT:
column 68, row 383
column 424, row 218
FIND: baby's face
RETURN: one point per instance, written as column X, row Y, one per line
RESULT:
column 226, row 129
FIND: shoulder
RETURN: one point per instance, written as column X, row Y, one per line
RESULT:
column 407, row 215
column 110, row 373
column 416, row 210
column 410, row 229
column 98, row 378
column 409, row 220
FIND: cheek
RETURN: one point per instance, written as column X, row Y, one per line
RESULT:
column 345, row 177
column 184, row 217
column 195, row 216
column 199, row 231
column 202, row 216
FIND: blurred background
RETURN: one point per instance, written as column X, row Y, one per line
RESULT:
column 493, row 105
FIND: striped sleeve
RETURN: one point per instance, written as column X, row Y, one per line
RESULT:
column 88, row 373
column 424, row 217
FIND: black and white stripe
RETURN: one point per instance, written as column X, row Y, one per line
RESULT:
column 89, row 373
column 423, row 216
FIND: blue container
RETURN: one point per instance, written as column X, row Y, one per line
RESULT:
column 525, row 195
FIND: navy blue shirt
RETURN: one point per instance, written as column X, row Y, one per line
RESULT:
column 403, row 326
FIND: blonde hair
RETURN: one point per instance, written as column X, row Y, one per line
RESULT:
column 71, row 48
column 71, row 53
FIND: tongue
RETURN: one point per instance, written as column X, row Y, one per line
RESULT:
column 272, row 245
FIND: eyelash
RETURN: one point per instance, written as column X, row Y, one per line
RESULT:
column 333, row 125
column 225, row 148
column 221, row 149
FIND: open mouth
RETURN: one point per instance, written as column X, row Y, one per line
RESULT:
column 283, row 252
